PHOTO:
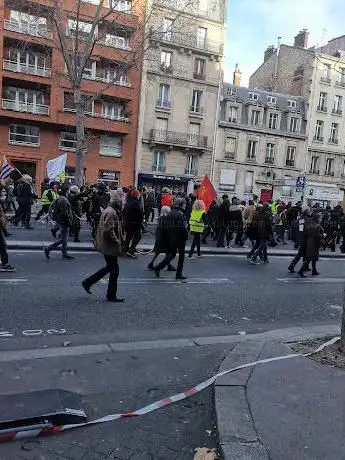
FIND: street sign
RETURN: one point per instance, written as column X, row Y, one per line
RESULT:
column 300, row 182
column 279, row 182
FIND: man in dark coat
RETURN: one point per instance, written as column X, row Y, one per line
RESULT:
column 99, row 202
column 313, row 234
column 262, row 228
column 236, row 221
column 178, row 235
column 133, row 216
column 25, row 198
column 223, row 218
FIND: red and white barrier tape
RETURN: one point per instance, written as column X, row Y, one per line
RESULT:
column 28, row 433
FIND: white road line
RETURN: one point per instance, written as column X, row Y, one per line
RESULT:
column 13, row 280
column 171, row 281
column 311, row 280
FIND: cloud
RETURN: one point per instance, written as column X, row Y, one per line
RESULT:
column 255, row 24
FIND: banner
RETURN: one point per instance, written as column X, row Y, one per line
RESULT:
column 56, row 166
column 207, row 192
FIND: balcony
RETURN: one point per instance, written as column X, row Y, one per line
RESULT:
column 340, row 83
column 251, row 158
column 158, row 169
column 269, row 160
column 337, row 112
column 26, row 68
column 28, row 29
column 199, row 76
column 290, row 163
column 106, row 116
column 229, row 155
column 17, row 106
column 314, row 171
column 121, row 82
column 163, row 104
column 175, row 138
column 191, row 171
column 326, row 80
column 322, row 108
column 166, row 68
column 196, row 109
column 116, row 42
column 190, row 7
column 329, row 173
column 232, row 120
column 318, row 138
column 333, row 140
column 186, row 40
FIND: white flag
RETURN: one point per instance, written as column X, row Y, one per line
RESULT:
column 56, row 166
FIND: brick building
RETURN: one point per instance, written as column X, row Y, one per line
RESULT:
column 37, row 120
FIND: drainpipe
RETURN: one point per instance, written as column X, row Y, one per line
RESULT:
column 215, row 127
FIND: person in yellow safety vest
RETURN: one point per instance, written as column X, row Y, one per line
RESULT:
column 274, row 207
column 47, row 199
column 197, row 221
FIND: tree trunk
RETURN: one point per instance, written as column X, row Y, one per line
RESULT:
column 80, row 133
column 342, row 339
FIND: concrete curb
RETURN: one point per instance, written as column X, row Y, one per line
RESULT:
column 88, row 247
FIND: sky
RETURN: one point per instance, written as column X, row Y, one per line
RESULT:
column 253, row 25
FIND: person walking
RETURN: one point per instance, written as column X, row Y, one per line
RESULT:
column 248, row 215
column 62, row 214
column 149, row 206
column 313, row 233
column 262, row 228
column 76, row 201
column 236, row 221
column 162, row 239
column 5, row 266
column 197, row 222
column 133, row 217
column 109, row 242
column 47, row 199
column 99, row 202
column 25, row 199
column 178, row 235
column 223, row 217
column 305, row 213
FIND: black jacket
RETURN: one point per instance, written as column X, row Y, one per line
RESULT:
column 62, row 212
column 99, row 200
column 262, row 224
column 133, row 213
column 25, row 194
column 162, row 235
column 177, row 227
column 235, row 218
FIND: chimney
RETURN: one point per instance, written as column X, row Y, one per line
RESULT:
column 237, row 76
column 302, row 38
column 269, row 52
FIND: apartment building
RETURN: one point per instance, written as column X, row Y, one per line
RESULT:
column 180, row 88
column 37, row 119
column 261, row 143
column 319, row 75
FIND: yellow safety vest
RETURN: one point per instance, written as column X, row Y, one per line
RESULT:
column 196, row 223
column 45, row 200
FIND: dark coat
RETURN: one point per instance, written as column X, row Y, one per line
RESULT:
column 133, row 213
column 100, row 201
column 25, row 193
column 262, row 224
column 223, row 215
column 177, row 228
column 162, row 235
column 235, row 218
column 312, row 234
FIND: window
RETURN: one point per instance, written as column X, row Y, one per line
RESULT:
column 248, row 182
column 192, row 165
column 84, row 29
column 166, row 59
column 199, row 68
column 120, row 5
column 24, row 134
column 162, row 124
column 196, row 106
column 194, row 133
column 255, row 118
column 252, row 149
column 292, row 104
column 69, row 104
column 24, row 100
column 253, row 96
column 329, row 167
column 68, row 141
column 114, row 111
column 314, row 167
column 110, row 146
column 120, row 40
column 159, row 162
column 22, row 60
column 89, row 71
column 109, row 177
column 288, row 190
column 230, row 92
column 164, row 96
column 333, row 138
column 230, row 147
column 294, row 125
column 271, row 100
column 273, row 121
column 270, row 150
column 28, row 23
column 327, row 72
column 341, row 74
column 290, row 156
column 201, row 37
column 167, row 28
column 233, row 114
column 112, row 73
column 338, row 105
column 319, row 130
column 322, row 102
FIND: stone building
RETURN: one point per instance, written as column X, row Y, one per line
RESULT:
column 319, row 75
column 261, row 143
column 180, row 92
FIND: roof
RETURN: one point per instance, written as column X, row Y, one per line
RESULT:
column 242, row 95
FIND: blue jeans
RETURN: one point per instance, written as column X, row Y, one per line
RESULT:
column 62, row 240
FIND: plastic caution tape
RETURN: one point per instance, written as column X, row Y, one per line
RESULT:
column 7, row 435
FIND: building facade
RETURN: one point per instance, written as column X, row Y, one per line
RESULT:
column 261, row 144
column 180, row 92
column 37, row 120
column 318, row 74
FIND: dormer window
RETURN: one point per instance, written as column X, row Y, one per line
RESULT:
column 253, row 96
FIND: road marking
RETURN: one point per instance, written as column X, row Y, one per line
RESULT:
column 335, row 307
column 171, row 281
column 311, row 280
column 6, row 334
column 13, row 280
column 34, row 332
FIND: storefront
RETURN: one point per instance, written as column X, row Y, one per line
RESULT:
column 109, row 178
column 158, row 181
column 323, row 194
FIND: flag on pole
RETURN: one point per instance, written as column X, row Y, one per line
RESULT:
column 56, row 166
column 207, row 192
column 6, row 169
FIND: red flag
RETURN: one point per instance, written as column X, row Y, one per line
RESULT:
column 207, row 192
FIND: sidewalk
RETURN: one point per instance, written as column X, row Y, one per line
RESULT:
column 283, row 410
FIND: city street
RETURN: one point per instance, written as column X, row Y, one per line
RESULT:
column 43, row 306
